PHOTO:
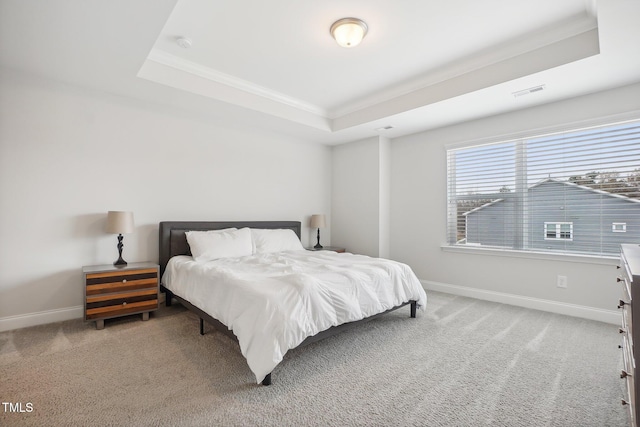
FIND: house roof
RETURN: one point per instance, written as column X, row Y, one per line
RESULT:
column 486, row 205
column 557, row 181
column 274, row 64
column 584, row 187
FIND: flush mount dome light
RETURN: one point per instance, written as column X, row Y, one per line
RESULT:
column 349, row 32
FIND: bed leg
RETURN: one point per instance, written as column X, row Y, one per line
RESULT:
column 267, row 380
column 168, row 296
column 414, row 305
column 201, row 326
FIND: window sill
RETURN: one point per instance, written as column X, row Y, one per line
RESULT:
column 587, row 259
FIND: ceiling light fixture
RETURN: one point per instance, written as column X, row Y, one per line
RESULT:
column 349, row 32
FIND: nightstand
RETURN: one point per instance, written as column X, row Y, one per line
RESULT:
column 328, row 248
column 113, row 292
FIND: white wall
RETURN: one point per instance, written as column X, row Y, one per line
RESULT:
column 419, row 213
column 360, row 197
column 68, row 156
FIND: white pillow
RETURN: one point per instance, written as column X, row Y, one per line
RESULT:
column 214, row 244
column 266, row 241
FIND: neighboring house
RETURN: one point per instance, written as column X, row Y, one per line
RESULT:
column 557, row 215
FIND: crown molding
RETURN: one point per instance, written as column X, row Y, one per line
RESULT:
column 184, row 65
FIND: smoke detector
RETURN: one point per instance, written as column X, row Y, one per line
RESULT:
column 183, row 42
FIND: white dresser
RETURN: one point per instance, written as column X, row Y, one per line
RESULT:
column 630, row 305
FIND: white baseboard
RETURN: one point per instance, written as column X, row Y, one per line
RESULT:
column 49, row 316
column 40, row 318
column 607, row 316
column 601, row 315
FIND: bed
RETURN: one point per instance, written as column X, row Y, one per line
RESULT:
column 252, row 298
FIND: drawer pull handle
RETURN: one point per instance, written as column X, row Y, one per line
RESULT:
column 622, row 303
column 624, row 402
column 124, row 303
column 624, row 374
column 622, row 331
column 124, row 280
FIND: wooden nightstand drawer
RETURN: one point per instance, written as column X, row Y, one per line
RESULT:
column 100, row 283
column 121, row 309
column 113, row 292
column 121, row 303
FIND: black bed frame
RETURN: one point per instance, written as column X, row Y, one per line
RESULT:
column 173, row 242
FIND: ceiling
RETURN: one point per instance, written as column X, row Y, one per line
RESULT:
column 274, row 65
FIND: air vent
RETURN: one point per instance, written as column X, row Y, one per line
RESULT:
column 384, row 128
column 529, row 91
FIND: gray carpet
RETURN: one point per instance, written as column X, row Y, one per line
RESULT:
column 464, row 362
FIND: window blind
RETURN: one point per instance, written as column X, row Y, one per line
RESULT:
column 576, row 191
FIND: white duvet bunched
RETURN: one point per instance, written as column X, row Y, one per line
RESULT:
column 273, row 301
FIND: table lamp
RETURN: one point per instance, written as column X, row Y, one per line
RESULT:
column 318, row 221
column 119, row 223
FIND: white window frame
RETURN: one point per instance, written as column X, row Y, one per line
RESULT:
column 523, row 249
column 619, row 227
column 557, row 230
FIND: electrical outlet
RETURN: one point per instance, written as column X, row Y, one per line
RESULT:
column 562, row 282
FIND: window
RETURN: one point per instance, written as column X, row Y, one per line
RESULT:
column 573, row 192
column 619, row 227
column 558, row 230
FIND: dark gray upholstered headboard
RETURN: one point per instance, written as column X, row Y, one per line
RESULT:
column 173, row 240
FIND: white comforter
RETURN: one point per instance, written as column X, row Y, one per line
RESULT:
column 272, row 302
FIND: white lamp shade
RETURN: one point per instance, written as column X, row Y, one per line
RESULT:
column 119, row 222
column 349, row 32
column 318, row 221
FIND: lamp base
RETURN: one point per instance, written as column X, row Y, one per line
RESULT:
column 318, row 246
column 120, row 263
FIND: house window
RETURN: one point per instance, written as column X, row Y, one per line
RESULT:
column 558, row 231
column 619, row 227
column 571, row 185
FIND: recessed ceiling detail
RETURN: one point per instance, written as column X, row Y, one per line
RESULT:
column 429, row 65
column 478, row 72
column 420, row 67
